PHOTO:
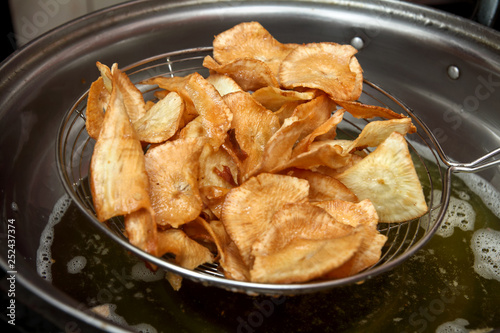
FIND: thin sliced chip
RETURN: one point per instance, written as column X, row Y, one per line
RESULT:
column 215, row 115
column 141, row 230
column 162, row 121
column 217, row 168
column 351, row 213
column 327, row 129
column 172, row 169
column 253, row 126
column 106, row 75
column 97, row 102
column 248, row 209
column 323, row 187
column 223, row 83
column 230, row 257
column 177, row 84
column 322, row 154
column 305, row 118
column 188, row 253
column 132, row 97
column 193, row 129
column 375, row 132
column 273, row 98
column 118, row 180
column 213, row 198
column 329, row 67
column 287, row 110
column 298, row 221
column 366, row 111
column 368, row 254
column 305, row 259
column 387, row 177
column 250, row 74
column 250, row 40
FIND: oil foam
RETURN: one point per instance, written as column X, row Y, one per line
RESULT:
column 43, row 253
column 485, row 244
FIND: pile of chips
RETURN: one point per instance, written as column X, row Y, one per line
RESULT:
column 243, row 167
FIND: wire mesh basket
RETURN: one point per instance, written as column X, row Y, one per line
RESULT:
column 75, row 147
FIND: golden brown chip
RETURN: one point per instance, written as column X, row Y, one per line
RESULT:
column 97, row 102
column 368, row 254
column 298, row 221
column 162, row 121
column 106, row 75
column 323, row 187
column 141, row 230
column 366, row 111
column 118, row 180
column 230, row 257
column 132, row 97
column 213, row 198
column 321, row 154
column 172, row 169
column 248, row 73
column 305, row 118
column 193, row 129
column 250, row 40
column 375, row 132
column 188, row 253
column 217, row 168
column 329, row 67
column 327, row 129
column 273, row 98
column 387, row 177
column 178, row 85
column 215, row 115
column 351, row 213
column 305, row 259
column 248, row 209
column 253, row 126
column 223, row 83
column 286, row 110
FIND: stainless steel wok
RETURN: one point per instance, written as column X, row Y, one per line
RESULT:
column 445, row 68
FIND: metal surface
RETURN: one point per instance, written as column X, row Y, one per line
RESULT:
column 406, row 49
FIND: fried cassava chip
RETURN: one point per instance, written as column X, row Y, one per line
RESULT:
column 387, row 177
column 118, row 179
column 172, row 169
column 329, row 67
column 248, row 208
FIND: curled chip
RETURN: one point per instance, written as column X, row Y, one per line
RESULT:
column 387, row 177
column 248, row 73
column 250, row 40
column 274, row 98
column 162, row 120
column 249, row 208
column 215, row 115
column 329, row 67
column 118, row 180
column 223, row 83
column 305, row 259
column 323, row 187
column 173, row 176
column 97, row 102
column 253, row 126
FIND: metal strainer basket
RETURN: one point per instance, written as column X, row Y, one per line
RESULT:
column 75, row 147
